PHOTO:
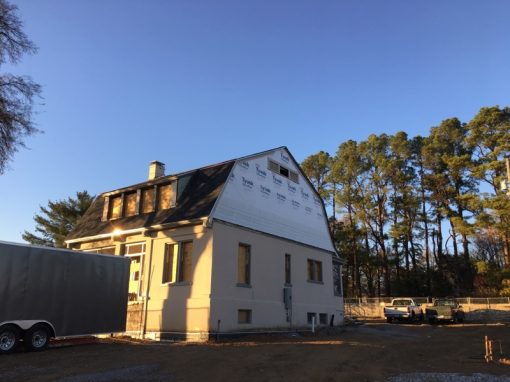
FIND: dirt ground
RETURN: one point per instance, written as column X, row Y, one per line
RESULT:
column 374, row 351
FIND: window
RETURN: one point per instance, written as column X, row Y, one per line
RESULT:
column 115, row 207
column 130, row 204
column 102, row 251
column 314, row 270
column 337, row 278
column 323, row 318
column 287, row 269
column 244, row 316
column 135, row 252
column 311, row 317
column 184, row 273
column 148, row 200
column 243, row 264
column 177, row 262
column 166, row 197
column 282, row 170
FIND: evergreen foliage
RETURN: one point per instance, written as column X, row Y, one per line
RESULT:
column 422, row 216
column 57, row 219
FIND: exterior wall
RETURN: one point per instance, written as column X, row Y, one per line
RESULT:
column 265, row 296
column 176, row 308
column 260, row 199
column 173, row 309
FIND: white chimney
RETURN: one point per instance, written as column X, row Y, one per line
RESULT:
column 156, row 169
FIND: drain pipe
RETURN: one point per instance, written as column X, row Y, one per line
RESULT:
column 147, row 289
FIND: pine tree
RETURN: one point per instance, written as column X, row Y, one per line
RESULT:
column 57, row 219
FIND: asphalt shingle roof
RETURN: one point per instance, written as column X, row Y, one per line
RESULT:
column 197, row 192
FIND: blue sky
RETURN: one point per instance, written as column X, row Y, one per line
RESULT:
column 191, row 83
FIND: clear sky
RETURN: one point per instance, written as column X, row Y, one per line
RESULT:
column 191, row 83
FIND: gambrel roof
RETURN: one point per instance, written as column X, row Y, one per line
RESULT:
column 286, row 208
column 197, row 192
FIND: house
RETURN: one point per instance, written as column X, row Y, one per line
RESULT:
column 236, row 246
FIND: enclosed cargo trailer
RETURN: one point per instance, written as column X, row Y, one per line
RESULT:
column 49, row 292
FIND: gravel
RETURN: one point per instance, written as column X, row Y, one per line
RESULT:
column 447, row 377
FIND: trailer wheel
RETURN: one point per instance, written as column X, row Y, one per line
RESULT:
column 37, row 338
column 9, row 337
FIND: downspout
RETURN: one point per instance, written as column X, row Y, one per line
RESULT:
column 147, row 289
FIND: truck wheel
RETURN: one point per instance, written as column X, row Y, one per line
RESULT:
column 37, row 338
column 432, row 321
column 389, row 320
column 9, row 337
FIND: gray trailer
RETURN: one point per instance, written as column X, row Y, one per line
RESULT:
column 48, row 292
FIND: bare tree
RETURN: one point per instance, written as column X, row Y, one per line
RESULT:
column 17, row 93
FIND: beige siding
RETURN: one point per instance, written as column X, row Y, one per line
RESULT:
column 214, row 293
column 265, row 296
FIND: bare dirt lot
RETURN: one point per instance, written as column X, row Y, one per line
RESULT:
column 372, row 352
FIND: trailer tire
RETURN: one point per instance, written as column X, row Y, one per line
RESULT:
column 9, row 338
column 37, row 338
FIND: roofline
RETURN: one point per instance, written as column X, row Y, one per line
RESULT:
column 171, row 177
column 143, row 230
column 320, row 198
column 339, row 259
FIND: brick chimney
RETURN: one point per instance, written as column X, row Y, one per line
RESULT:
column 156, row 170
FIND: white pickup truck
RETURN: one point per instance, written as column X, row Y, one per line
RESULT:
column 403, row 308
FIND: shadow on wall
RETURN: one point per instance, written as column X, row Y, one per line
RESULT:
column 179, row 307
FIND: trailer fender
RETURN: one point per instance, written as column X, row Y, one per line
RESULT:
column 27, row 324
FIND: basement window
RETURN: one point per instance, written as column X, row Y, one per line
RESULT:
column 311, row 317
column 323, row 318
column 282, row 170
column 244, row 316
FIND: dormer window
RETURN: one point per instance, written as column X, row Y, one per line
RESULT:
column 130, row 204
column 115, row 207
column 147, row 200
column 141, row 201
column 166, row 197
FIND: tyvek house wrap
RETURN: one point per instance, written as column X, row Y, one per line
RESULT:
column 78, row 293
column 258, row 198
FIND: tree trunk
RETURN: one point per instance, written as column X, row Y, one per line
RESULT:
column 397, row 258
column 426, row 227
column 454, row 241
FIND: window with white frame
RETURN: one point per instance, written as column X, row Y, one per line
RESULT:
column 102, row 251
column 135, row 252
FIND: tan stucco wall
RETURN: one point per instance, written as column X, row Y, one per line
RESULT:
column 213, row 293
column 176, row 307
column 265, row 297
